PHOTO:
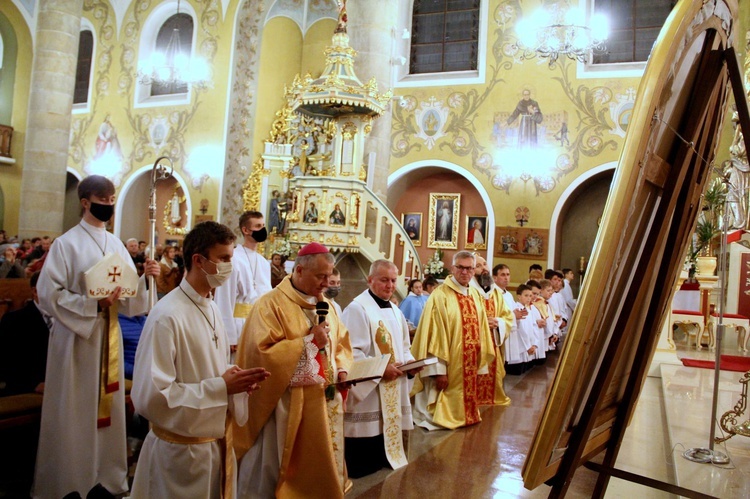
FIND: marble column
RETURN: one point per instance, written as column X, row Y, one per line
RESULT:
column 48, row 131
column 370, row 33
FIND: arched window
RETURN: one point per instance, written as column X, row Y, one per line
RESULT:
column 83, row 71
column 445, row 35
column 175, row 39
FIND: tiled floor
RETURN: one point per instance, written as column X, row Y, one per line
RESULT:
column 485, row 460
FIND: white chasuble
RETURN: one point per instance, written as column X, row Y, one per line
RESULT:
column 387, row 411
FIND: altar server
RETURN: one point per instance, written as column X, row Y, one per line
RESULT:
column 82, row 442
column 183, row 384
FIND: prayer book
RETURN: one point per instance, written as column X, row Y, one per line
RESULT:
column 367, row 369
column 415, row 364
column 111, row 271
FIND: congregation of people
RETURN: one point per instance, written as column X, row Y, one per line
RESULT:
column 242, row 370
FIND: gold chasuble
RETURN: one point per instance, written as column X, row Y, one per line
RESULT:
column 312, row 463
column 490, row 385
column 454, row 329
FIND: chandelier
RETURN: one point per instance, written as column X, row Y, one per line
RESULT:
column 550, row 33
column 174, row 66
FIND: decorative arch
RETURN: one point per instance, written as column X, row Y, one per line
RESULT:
column 84, row 107
column 394, row 178
column 132, row 181
column 554, row 238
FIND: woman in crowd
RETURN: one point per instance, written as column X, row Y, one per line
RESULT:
column 170, row 272
column 413, row 304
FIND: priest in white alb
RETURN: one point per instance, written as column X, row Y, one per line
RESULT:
column 82, row 441
column 500, row 320
column 377, row 411
column 183, row 384
column 250, row 278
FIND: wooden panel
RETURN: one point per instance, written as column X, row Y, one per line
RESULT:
column 648, row 220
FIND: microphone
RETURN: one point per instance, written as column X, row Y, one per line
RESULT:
column 321, row 309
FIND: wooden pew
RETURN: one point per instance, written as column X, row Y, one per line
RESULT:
column 14, row 293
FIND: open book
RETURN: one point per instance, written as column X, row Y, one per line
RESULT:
column 367, row 369
column 415, row 364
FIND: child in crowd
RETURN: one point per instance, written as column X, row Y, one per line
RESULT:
column 538, row 323
column 552, row 319
column 519, row 347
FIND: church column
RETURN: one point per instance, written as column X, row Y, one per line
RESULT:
column 50, row 103
column 370, row 33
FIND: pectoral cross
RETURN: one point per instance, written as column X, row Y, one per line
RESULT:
column 216, row 340
column 115, row 273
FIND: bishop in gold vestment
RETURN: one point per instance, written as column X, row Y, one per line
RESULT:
column 454, row 329
column 293, row 443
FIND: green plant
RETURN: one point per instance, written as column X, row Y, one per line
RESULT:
column 708, row 226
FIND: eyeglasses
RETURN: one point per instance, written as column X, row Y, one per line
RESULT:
column 461, row 268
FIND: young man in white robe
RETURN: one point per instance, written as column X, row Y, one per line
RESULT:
column 557, row 301
column 250, row 279
column 552, row 323
column 520, row 347
column 567, row 291
column 182, row 382
column 372, row 428
column 82, row 442
column 538, row 321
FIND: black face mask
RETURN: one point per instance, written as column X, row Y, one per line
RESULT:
column 102, row 212
column 259, row 235
column 332, row 292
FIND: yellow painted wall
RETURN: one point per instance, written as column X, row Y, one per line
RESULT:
column 280, row 57
column 10, row 175
column 317, row 39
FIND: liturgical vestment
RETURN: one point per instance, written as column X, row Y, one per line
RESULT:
column 178, row 387
column 250, row 279
column 292, row 445
column 454, row 329
column 73, row 454
column 490, row 385
column 376, row 405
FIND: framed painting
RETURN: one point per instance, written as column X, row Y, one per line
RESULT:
column 521, row 242
column 476, row 232
column 412, row 223
column 443, row 229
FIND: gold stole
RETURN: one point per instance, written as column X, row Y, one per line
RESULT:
column 109, row 370
column 541, row 305
column 390, row 403
column 472, row 351
column 486, row 382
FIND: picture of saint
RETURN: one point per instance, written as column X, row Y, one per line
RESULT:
column 412, row 223
column 476, row 232
column 337, row 216
column 311, row 214
column 444, row 227
column 533, row 244
column 531, row 116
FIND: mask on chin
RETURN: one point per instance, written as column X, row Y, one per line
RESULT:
column 102, row 212
column 223, row 271
column 333, row 292
column 259, row 235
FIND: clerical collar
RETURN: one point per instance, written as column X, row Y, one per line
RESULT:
column 463, row 289
column 381, row 302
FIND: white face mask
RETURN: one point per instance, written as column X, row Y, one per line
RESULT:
column 223, row 271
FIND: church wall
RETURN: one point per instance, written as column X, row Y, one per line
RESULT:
column 144, row 132
column 416, row 198
column 467, row 125
column 317, row 39
column 280, row 58
column 17, row 103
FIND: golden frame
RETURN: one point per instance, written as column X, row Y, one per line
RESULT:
column 470, row 221
column 405, row 218
column 443, row 233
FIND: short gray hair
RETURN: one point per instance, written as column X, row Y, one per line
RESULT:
column 464, row 254
column 379, row 264
column 131, row 239
column 306, row 260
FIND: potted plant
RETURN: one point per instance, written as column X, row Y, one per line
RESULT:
column 708, row 227
column 435, row 266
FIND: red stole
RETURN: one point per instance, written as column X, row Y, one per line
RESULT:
column 471, row 351
column 486, row 382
